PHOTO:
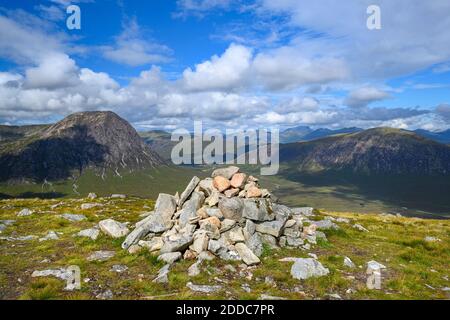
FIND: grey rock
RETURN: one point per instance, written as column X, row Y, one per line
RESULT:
column 165, row 207
column 205, row 256
column 227, row 225
column 255, row 244
column 89, row 233
column 51, row 235
column 87, row 206
column 203, row 288
column 273, row 228
column 360, row 228
column 118, row 196
column 307, row 268
column 152, row 245
column 106, row 295
column 304, row 211
column 92, row 196
column 73, row 217
column 163, row 274
column 257, row 210
column 187, row 192
column 270, row 240
column 431, row 239
column 282, row 212
column 153, row 224
column 348, row 263
column 231, row 208
column 206, row 185
column 25, row 212
column 180, row 244
column 294, row 242
column 269, row 297
column 119, row 268
column 325, row 225
column 194, row 269
column 170, row 257
column 225, row 172
column 113, row 228
column 214, row 212
column 102, row 255
column 246, row 254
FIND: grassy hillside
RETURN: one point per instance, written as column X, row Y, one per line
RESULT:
column 143, row 183
column 416, row 269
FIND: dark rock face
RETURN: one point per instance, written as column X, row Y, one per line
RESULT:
column 100, row 140
column 374, row 151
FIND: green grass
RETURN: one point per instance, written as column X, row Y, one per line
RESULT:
column 412, row 264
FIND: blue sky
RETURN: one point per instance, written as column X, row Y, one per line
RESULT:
column 230, row 63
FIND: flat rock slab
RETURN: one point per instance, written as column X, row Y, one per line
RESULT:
column 170, row 257
column 246, row 254
column 101, row 255
column 73, row 217
column 308, row 268
column 89, row 233
column 203, row 288
column 113, row 228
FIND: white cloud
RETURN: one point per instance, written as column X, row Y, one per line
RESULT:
column 361, row 97
column 286, row 68
column 131, row 48
column 220, row 73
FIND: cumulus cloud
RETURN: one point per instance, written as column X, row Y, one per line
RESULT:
column 220, row 73
column 131, row 48
column 362, row 97
column 286, row 68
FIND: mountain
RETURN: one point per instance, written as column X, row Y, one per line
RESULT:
column 159, row 141
column 374, row 151
column 442, row 137
column 99, row 140
column 303, row 133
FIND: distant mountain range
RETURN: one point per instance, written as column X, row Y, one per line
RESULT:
column 99, row 140
column 104, row 141
column 304, row 133
column 375, row 151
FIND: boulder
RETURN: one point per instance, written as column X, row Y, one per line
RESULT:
column 92, row 196
column 203, row 288
column 89, row 233
column 238, row 180
column 101, row 255
column 162, row 276
column 257, row 210
column 118, row 196
column 87, row 206
column 170, row 257
column 51, row 235
column 25, row 212
column 165, row 207
column 152, row 245
column 113, row 228
column 221, row 183
column 73, row 217
column 255, row 244
column 179, row 244
column 206, row 185
column 253, row 192
column 246, row 254
column 194, row 269
column 200, row 242
column 273, row 228
column 227, row 173
column 325, row 225
column 189, row 189
column 231, row 193
column 231, row 208
column 349, row 263
column 307, row 268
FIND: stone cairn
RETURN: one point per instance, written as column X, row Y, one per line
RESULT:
column 226, row 216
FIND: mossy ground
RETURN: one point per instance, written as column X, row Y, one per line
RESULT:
column 415, row 269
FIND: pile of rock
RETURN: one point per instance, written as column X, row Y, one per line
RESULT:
column 228, row 216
